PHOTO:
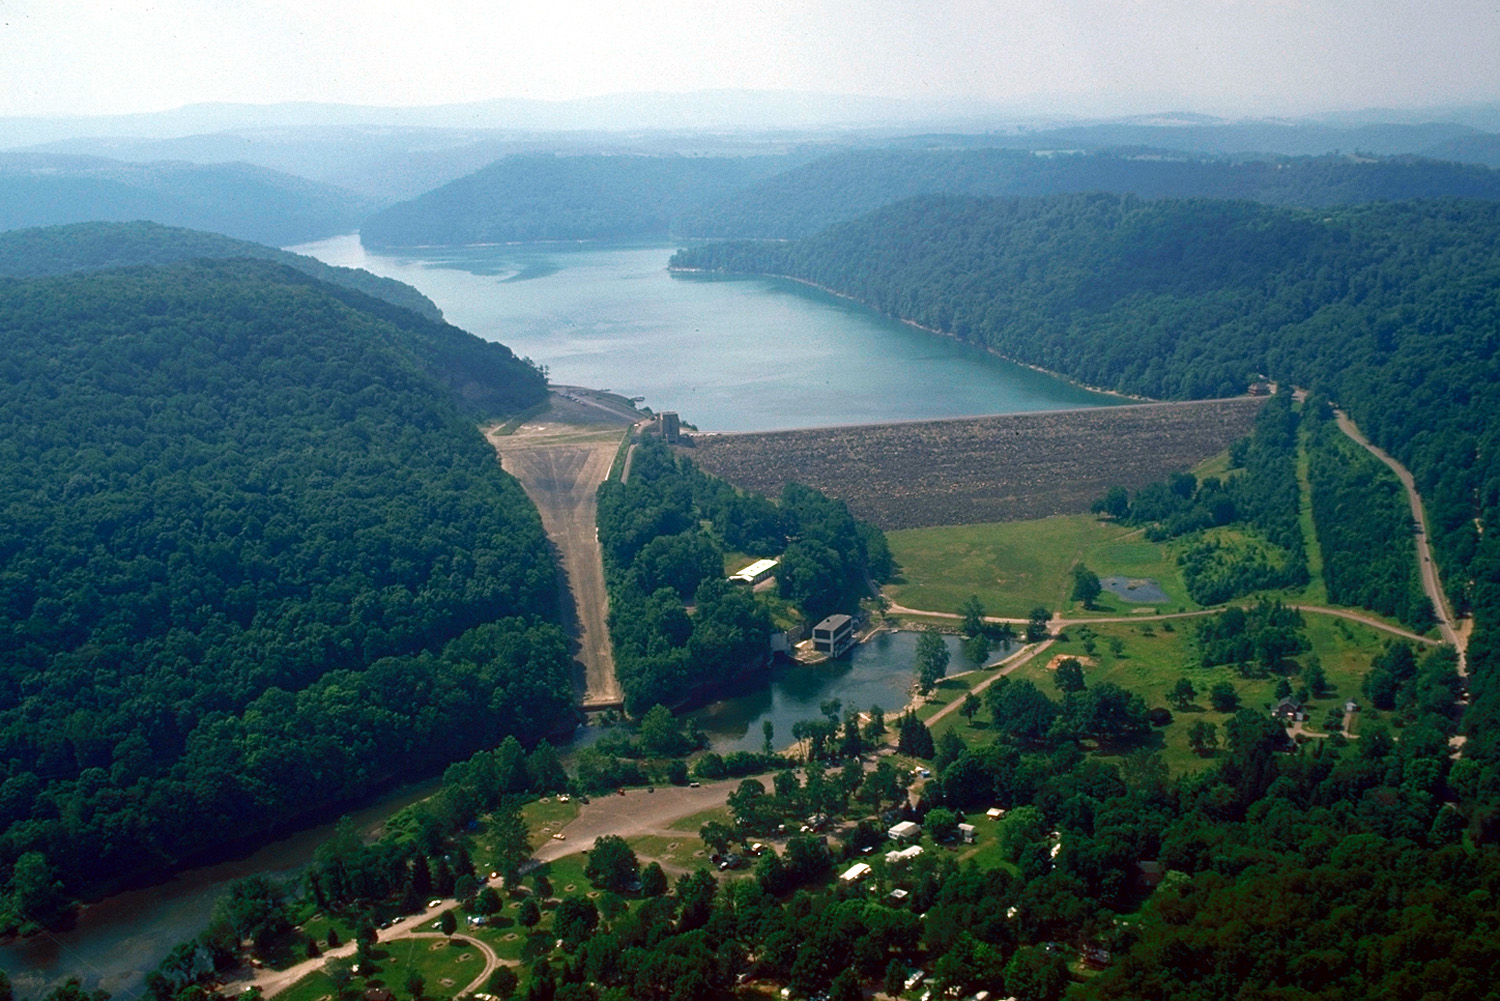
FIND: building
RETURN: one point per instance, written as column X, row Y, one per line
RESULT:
column 904, row 831
column 671, row 425
column 855, row 873
column 833, row 635
column 755, row 572
column 904, row 855
column 1289, row 709
column 967, row 833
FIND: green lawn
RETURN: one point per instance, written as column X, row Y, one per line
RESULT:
column 1153, row 655
column 1014, row 566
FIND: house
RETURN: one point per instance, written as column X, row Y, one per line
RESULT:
column 671, row 426
column 1148, row 873
column 854, row 873
column 1289, row 709
column 755, row 572
column 833, row 635
column 1095, row 957
column 905, row 831
column 967, row 833
column 903, row 855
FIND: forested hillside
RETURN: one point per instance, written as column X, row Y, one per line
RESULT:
column 250, row 203
column 542, row 197
column 1389, row 309
column 840, row 187
column 256, row 559
column 89, row 246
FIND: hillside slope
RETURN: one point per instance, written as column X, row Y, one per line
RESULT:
column 542, row 197
column 244, row 201
column 90, row 246
column 255, row 561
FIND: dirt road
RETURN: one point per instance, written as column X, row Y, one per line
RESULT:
column 1452, row 630
column 560, row 458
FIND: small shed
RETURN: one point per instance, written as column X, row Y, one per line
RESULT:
column 897, row 896
column 967, row 833
column 1351, row 707
column 904, row 831
column 994, row 813
column 855, row 873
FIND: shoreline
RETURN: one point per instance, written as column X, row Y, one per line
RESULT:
column 923, row 327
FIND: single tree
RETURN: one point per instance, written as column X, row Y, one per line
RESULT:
column 941, row 824
column 1203, row 737
column 1069, row 675
column 932, row 660
column 448, row 922
column 653, row 880
column 1223, row 697
column 717, row 836
column 1183, row 693
column 971, row 617
column 768, row 733
column 502, row 983
column 528, row 914
column 1086, row 586
column 1036, row 626
column 970, row 706
column 415, row 983
column 612, row 864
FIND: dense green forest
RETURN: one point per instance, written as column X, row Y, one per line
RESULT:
column 664, row 533
column 89, row 246
column 545, row 197
column 1264, row 496
column 244, row 201
column 840, row 187
column 256, row 560
column 1388, row 309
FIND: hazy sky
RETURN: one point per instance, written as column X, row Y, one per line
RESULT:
column 1268, row 56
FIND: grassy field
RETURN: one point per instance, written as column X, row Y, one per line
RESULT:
column 1015, row 566
column 1152, row 656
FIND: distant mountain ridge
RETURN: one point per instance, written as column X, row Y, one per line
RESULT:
column 238, row 199
column 544, row 197
column 843, row 186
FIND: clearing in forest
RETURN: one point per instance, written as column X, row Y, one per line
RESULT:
column 560, row 457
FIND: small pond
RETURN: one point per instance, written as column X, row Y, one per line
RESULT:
column 1137, row 590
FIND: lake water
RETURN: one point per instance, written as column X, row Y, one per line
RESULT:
column 879, row 672
column 729, row 354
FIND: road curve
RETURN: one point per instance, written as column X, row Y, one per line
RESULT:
column 1448, row 625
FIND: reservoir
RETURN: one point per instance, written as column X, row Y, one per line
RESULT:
column 728, row 353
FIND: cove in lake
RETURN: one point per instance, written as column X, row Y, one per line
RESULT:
column 728, row 353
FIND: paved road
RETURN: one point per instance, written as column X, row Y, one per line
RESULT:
column 561, row 466
column 1452, row 631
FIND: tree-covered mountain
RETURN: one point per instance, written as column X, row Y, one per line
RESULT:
column 845, row 185
column 1389, row 309
column 543, row 197
column 90, row 246
column 256, row 560
column 244, row 201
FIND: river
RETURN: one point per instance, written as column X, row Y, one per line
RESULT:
column 728, row 353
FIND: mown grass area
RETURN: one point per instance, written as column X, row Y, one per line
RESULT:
column 447, row 966
column 1153, row 655
column 1015, row 566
